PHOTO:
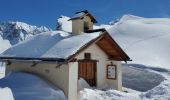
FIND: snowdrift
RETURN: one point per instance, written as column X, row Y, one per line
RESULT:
column 6, row 94
column 138, row 78
column 26, row 86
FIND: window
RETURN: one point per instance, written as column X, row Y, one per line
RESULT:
column 87, row 56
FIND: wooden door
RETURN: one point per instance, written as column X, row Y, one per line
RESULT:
column 87, row 71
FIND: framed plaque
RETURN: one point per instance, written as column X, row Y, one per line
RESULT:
column 111, row 71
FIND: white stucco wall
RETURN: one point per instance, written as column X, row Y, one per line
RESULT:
column 102, row 81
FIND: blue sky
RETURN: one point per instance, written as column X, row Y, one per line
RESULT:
column 46, row 12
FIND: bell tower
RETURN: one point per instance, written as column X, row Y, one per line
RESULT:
column 81, row 22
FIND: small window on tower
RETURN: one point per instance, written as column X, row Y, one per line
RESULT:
column 87, row 56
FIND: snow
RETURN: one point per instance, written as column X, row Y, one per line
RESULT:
column 90, row 94
column 26, row 86
column 16, row 32
column 54, row 44
column 64, row 24
column 6, row 94
column 36, row 45
column 159, row 92
column 4, row 44
column 69, row 46
column 145, row 40
column 82, row 84
column 140, row 79
column 2, row 70
column 78, row 15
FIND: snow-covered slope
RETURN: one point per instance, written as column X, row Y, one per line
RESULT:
column 19, row 31
column 146, row 40
column 26, row 86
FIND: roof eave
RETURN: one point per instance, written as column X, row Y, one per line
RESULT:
column 33, row 59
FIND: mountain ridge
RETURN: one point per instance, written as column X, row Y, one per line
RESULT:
column 19, row 31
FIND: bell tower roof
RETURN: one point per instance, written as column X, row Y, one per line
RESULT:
column 81, row 14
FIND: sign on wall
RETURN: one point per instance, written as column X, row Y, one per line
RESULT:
column 111, row 71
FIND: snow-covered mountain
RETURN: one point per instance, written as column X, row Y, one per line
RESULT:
column 19, row 31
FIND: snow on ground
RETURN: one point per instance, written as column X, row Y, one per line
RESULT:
column 6, row 94
column 146, row 40
column 160, row 92
column 4, row 44
column 82, row 84
column 26, row 86
column 139, row 79
column 2, row 70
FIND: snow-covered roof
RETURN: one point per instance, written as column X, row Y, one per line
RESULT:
column 53, row 44
column 80, row 14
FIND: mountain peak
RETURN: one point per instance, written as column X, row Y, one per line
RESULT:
column 18, row 31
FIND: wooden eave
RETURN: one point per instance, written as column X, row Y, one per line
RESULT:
column 112, row 49
column 33, row 59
